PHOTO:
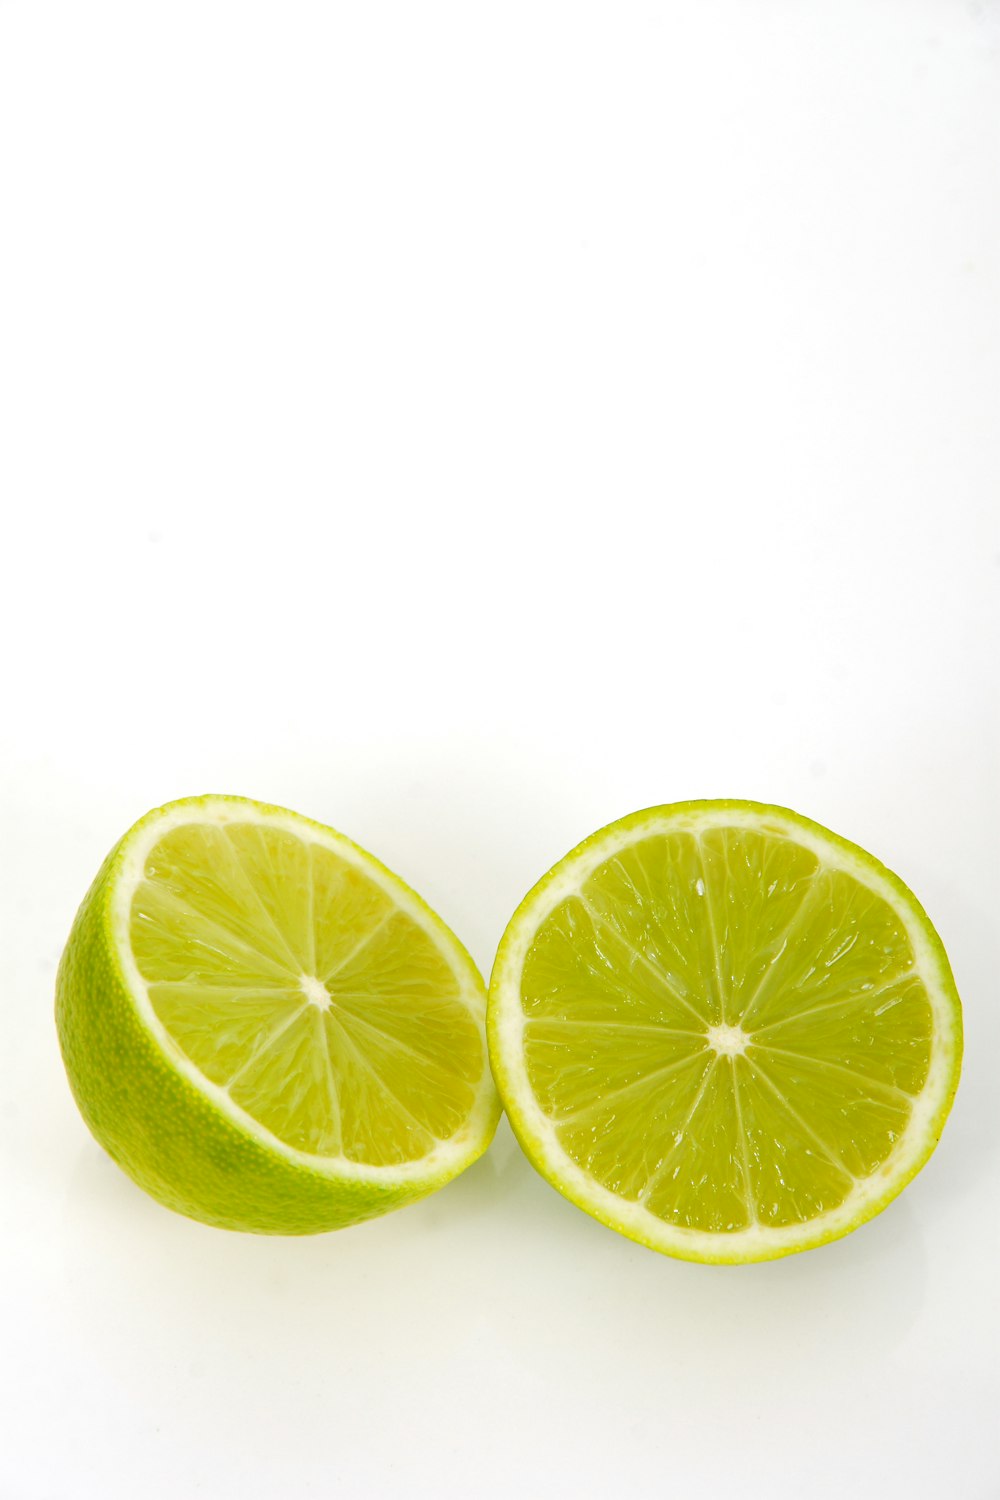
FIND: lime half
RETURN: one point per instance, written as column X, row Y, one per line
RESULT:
column 724, row 1031
column 266, row 1028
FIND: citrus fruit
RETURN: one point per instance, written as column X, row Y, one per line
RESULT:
column 724, row 1031
column 266, row 1028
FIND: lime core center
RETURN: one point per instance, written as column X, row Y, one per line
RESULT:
column 728, row 1041
column 315, row 991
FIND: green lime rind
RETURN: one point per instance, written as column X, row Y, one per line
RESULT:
column 169, row 1130
column 539, row 1142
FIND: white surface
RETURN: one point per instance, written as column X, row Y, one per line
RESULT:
column 466, row 424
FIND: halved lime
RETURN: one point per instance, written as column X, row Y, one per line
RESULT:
column 724, row 1031
column 266, row 1028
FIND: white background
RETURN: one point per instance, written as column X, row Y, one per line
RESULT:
column 465, row 424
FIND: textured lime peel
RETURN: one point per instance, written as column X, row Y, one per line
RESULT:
column 268, row 1029
column 724, row 1031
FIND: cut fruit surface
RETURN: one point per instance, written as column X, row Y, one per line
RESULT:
column 266, row 1027
column 724, row 1031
